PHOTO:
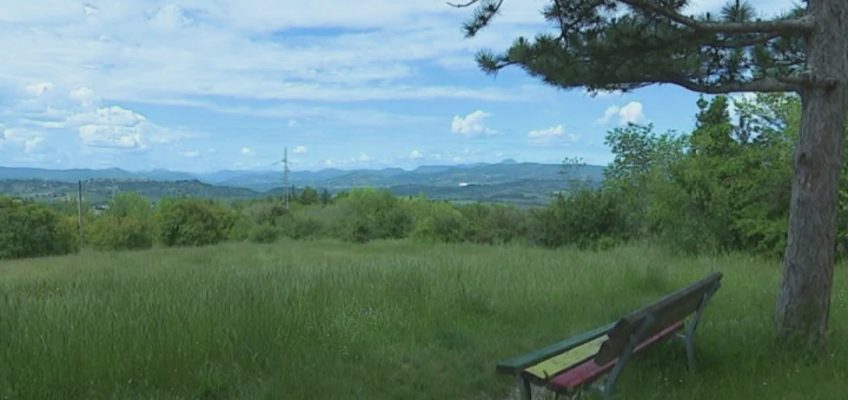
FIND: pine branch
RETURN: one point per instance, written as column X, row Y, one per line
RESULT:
column 463, row 5
column 743, row 43
column 786, row 26
column 766, row 85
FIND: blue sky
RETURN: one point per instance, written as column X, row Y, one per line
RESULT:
column 204, row 85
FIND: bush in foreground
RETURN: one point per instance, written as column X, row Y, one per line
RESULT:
column 192, row 222
column 367, row 214
column 30, row 230
column 589, row 218
column 126, row 225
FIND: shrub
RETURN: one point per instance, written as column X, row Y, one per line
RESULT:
column 366, row 214
column 588, row 218
column 126, row 225
column 191, row 222
column 264, row 233
column 29, row 229
column 308, row 196
column 240, row 227
column 438, row 222
column 304, row 227
column 494, row 224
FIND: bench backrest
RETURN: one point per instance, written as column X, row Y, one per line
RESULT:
column 666, row 311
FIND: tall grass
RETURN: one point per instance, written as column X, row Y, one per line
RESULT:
column 391, row 320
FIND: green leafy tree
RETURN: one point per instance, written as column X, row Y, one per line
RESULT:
column 366, row 214
column 628, row 44
column 588, row 218
column 126, row 225
column 29, row 229
column 438, row 221
column 326, row 197
column 308, row 196
column 191, row 222
column 768, row 126
column 641, row 169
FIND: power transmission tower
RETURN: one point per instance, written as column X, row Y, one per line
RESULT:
column 285, row 162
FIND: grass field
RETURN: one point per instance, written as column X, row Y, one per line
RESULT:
column 392, row 320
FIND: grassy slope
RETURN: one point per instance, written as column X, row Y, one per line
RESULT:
column 385, row 320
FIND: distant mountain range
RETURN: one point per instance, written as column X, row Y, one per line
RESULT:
column 507, row 181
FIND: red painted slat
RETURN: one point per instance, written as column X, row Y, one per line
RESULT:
column 590, row 371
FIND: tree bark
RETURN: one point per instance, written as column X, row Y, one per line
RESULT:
column 803, row 305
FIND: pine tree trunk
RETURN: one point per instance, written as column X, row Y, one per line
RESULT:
column 803, row 306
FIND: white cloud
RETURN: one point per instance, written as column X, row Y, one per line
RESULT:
column 299, row 150
column 84, row 96
column 38, row 88
column 112, row 127
column 416, row 155
column 111, row 136
column 247, row 151
column 170, row 17
column 28, row 140
column 292, row 123
column 631, row 112
column 549, row 136
column 112, row 115
column 89, row 9
column 609, row 113
column 554, row 131
column 190, row 154
column 471, row 124
column 364, row 158
column 31, row 144
column 147, row 51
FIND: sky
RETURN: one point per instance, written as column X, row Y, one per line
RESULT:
column 207, row 85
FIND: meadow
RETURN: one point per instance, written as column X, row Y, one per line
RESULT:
column 383, row 320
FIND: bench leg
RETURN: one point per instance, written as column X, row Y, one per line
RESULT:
column 690, row 353
column 636, row 338
column 688, row 336
column 524, row 390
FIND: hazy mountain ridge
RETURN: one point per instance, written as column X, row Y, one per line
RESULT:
column 335, row 179
column 507, row 182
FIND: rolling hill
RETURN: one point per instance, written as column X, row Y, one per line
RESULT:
column 509, row 182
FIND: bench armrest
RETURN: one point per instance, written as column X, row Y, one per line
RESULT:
column 519, row 363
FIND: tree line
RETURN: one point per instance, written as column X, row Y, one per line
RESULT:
column 725, row 186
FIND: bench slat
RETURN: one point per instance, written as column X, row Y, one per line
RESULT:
column 519, row 363
column 559, row 363
column 590, row 371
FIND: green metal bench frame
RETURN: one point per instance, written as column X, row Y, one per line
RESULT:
column 625, row 336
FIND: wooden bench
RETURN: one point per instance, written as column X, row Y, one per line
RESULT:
column 577, row 363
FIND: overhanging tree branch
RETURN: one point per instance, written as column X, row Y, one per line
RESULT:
column 462, row 5
column 786, row 26
column 789, row 26
column 747, row 42
column 766, row 85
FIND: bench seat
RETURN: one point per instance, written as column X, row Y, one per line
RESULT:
column 588, row 371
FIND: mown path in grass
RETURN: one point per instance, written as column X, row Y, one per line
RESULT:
column 391, row 320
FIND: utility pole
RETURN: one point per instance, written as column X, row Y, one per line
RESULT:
column 79, row 209
column 286, row 177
